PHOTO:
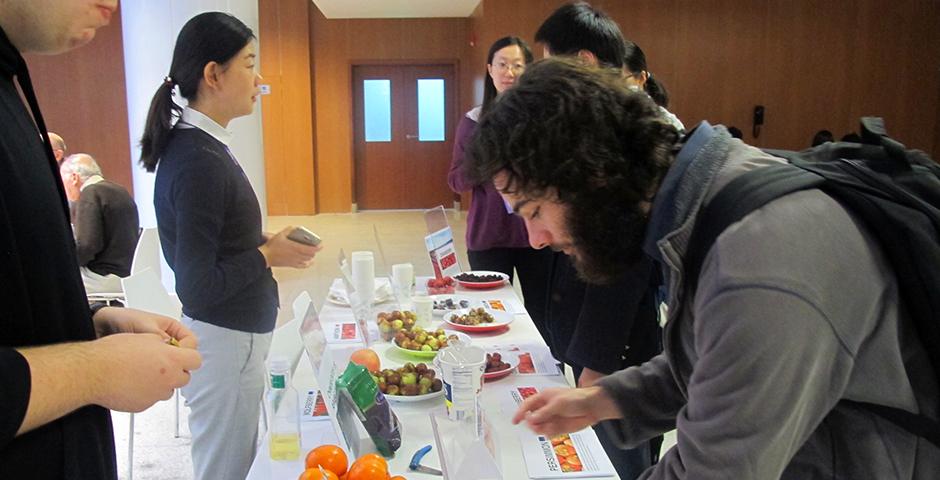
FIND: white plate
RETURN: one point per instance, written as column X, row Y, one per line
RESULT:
column 415, row 398
column 501, row 320
column 383, row 293
column 454, row 298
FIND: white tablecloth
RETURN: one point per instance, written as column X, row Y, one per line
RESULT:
column 416, row 424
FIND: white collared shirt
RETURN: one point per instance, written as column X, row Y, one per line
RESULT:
column 90, row 181
column 196, row 119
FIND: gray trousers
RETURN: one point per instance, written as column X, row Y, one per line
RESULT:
column 224, row 397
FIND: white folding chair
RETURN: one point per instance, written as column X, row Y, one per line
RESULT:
column 146, row 255
column 143, row 290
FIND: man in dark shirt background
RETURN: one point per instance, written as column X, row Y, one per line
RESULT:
column 60, row 366
column 106, row 224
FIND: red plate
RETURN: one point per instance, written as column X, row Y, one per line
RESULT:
column 513, row 362
column 484, row 285
column 501, row 321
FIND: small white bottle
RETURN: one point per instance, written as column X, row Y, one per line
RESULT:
column 283, row 409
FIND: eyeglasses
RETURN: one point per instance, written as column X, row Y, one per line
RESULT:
column 503, row 67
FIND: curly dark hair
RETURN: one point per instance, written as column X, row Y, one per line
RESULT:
column 578, row 135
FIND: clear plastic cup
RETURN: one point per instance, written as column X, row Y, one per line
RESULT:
column 423, row 306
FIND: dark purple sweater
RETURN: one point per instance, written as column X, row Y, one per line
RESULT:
column 489, row 225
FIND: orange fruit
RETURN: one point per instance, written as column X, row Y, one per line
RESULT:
column 314, row 474
column 330, row 457
column 398, row 477
column 367, row 358
column 373, row 457
column 368, row 470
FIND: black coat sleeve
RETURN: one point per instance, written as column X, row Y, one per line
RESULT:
column 608, row 316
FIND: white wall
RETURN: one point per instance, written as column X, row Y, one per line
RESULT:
column 150, row 30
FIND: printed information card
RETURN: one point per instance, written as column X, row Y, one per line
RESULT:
column 572, row 455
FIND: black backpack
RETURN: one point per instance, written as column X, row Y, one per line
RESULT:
column 896, row 193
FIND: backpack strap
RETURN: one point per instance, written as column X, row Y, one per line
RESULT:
column 747, row 193
column 741, row 196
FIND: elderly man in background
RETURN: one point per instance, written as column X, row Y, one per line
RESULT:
column 105, row 223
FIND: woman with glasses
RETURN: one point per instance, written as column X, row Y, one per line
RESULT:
column 496, row 238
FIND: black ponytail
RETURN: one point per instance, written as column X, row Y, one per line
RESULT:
column 656, row 90
column 207, row 37
column 159, row 124
column 634, row 61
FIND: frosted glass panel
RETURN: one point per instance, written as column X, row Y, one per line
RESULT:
column 378, row 110
column 431, row 110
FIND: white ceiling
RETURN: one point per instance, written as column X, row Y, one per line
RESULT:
column 396, row 8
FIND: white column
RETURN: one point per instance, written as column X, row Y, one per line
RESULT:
column 150, row 28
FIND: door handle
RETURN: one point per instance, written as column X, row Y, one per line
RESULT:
column 411, row 137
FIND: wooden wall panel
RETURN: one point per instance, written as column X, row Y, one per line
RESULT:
column 812, row 65
column 339, row 44
column 83, row 98
column 287, row 112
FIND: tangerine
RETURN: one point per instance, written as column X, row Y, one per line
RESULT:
column 330, row 457
column 373, row 457
column 368, row 470
column 314, row 474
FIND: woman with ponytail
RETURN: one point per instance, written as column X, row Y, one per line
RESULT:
column 210, row 229
column 639, row 78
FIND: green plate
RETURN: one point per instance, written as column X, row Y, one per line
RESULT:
column 433, row 353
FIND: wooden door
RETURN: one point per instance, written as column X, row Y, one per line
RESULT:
column 404, row 121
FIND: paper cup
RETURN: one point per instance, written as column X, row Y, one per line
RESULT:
column 463, row 381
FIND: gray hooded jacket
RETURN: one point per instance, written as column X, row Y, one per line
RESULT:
column 796, row 309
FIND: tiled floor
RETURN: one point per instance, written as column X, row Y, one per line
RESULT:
column 160, row 456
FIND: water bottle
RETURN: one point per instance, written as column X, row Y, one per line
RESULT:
column 282, row 405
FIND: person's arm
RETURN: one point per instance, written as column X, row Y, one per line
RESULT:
column 89, row 226
column 456, row 177
column 769, row 370
column 554, row 411
column 125, row 372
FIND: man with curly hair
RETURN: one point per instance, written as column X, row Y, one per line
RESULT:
column 796, row 307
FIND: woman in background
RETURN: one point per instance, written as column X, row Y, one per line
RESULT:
column 210, row 228
column 496, row 238
column 639, row 78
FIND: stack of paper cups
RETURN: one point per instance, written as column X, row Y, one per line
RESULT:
column 363, row 275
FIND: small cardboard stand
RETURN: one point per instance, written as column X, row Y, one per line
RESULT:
column 462, row 454
column 440, row 244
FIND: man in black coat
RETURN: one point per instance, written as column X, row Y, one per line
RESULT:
column 59, row 378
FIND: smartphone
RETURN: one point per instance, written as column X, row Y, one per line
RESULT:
column 304, row 236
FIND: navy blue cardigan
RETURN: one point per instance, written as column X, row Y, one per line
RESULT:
column 210, row 228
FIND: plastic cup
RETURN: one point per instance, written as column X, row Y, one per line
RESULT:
column 423, row 306
column 461, row 368
column 403, row 282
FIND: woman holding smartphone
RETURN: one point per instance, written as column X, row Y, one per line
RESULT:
column 210, row 228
